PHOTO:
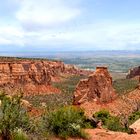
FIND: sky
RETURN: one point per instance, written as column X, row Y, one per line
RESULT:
column 67, row 25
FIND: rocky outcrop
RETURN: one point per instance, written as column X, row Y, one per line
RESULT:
column 33, row 75
column 97, row 88
column 133, row 72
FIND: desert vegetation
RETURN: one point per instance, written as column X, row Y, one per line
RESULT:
column 63, row 122
column 54, row 100
column 14, row 120
column 110, row 122
column 66, row 122
column 17, row 124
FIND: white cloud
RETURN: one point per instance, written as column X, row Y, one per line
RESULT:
column 4, row 41
column 103, row 36
column 45, row 13
column 99, row 36
column 34, row 18
column 50, row 22
column 11, row 35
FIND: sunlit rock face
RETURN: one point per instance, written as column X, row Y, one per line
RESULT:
column 23, row 73
column 20, row 74
column 97, row 88
column 34, row 75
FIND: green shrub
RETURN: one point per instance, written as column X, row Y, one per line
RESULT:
column 113, row 123
column 109, row 122
column 65, row 122
column 133, row 117
column 102, row 115
column 12, row 116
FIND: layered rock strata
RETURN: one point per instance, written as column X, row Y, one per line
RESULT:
column 97, row 88
column 33, row 75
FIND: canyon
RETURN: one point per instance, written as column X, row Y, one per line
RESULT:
column 34, row 76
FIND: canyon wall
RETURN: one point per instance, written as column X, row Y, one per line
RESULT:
column 33, row 75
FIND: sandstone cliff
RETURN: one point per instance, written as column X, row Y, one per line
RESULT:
column 97, row 88
column 133, row 72
column 33, row 75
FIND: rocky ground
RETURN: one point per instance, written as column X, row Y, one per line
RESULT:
column 102, row 134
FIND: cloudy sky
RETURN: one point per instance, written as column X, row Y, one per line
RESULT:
column 51, row 25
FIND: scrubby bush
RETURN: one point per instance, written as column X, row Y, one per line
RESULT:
column 65, row 122
column 12, row 116
column 102, row 115
column 113, row 123
column 109, row 122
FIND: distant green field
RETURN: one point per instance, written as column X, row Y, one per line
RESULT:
column 115, row 64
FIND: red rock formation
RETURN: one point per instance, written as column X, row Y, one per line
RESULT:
column 133, row 72
column 23, row 73
column 33, row 76
column 97, row 88
column 123, row 106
